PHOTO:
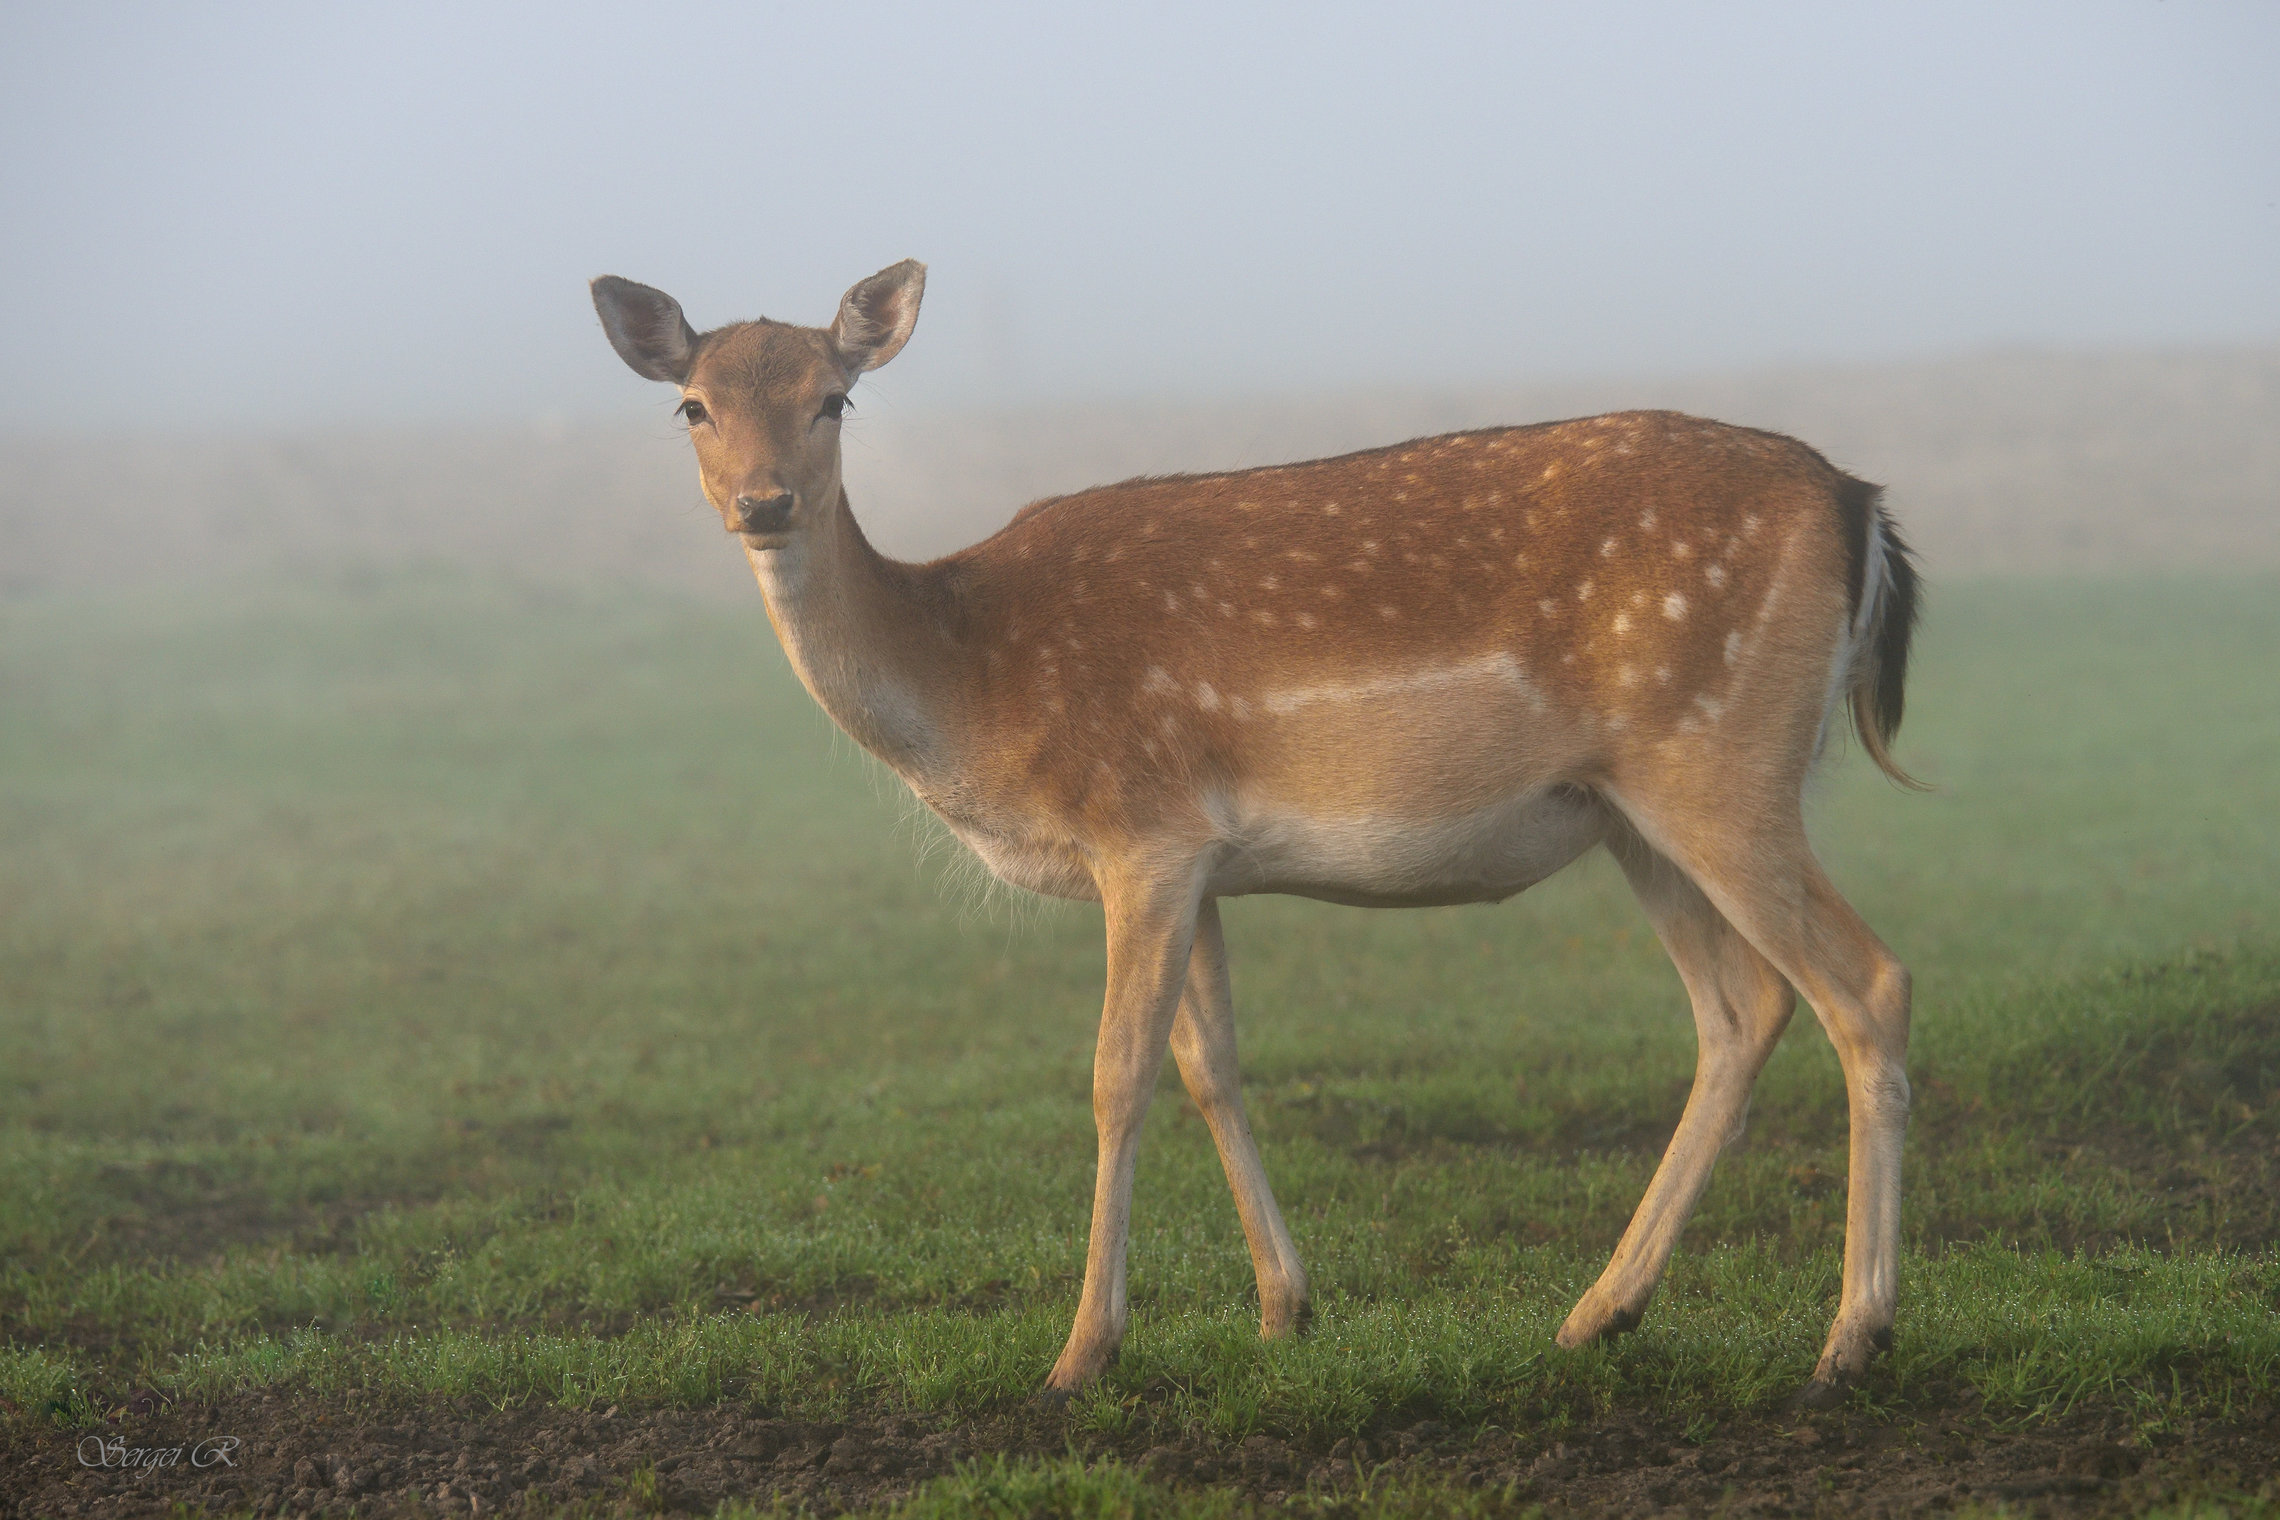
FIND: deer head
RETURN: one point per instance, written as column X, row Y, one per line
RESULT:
column 764, row 399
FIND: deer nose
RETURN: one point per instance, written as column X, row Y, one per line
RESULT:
column 763, row 514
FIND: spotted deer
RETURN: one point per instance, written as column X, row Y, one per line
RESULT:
column 1425, row 674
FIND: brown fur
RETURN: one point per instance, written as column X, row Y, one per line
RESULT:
column 1436, row 672
column 1438, row 549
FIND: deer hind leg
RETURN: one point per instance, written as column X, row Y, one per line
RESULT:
column 1769, row 886
column 1203, row 1042
column 1151, row 928
column 1741, row 1007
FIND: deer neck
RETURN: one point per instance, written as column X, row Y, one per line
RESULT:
column 863, row 639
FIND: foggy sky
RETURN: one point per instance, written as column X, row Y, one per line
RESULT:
column 253, row 215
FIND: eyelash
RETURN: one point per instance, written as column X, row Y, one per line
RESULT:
column 693, row 411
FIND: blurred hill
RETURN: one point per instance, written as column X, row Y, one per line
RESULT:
column 1995, row 463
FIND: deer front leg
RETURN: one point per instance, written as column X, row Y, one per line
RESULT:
column 1151, row 929
column 1203, row 1042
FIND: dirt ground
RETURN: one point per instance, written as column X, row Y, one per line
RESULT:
column 276, row 1454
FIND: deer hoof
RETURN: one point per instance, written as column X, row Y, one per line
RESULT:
column 1285, row 1323
column 1589, row 1322
column 1819, row 1393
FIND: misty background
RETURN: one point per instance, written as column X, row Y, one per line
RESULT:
column 290, row 290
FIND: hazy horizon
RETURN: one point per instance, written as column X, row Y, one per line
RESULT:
column 2029, row 463
column 260, row 216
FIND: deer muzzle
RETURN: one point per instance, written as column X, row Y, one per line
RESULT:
column 758, row 514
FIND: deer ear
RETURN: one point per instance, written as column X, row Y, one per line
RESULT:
column 646, row 327
column 875, row 318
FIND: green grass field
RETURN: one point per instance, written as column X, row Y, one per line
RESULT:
column 521, row 997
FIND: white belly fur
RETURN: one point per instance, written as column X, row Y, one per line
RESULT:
column 1368, row 861
column 1482, row 856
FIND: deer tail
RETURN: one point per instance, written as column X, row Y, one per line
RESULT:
column 1886, row 604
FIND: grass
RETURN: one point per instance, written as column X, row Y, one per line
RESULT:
column 512, row 994
column 1069, row 1490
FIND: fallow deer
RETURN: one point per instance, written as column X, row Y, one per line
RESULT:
column 1425, row 674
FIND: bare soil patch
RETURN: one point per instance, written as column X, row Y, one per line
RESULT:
column 342, row 1456
column 178, row 1211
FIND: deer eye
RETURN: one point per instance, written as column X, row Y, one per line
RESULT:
column 693, row 410
column 836, row 406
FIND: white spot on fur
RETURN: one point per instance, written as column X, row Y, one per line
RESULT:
column 1157, row 679
column 1733, row 646
column 1714, row 574
column 1549, row 606
column 1622, row 622
column 1626, row 676
column 1662, row 674
column 1607, row 548
column 1647, row 519
column 1674, row 607
column 1710, row 706
column 1583, row 592
column 1205, row 697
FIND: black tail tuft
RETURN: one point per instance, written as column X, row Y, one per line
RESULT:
column 1878, row 690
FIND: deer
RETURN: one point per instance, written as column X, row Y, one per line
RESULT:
column 1432, row 673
